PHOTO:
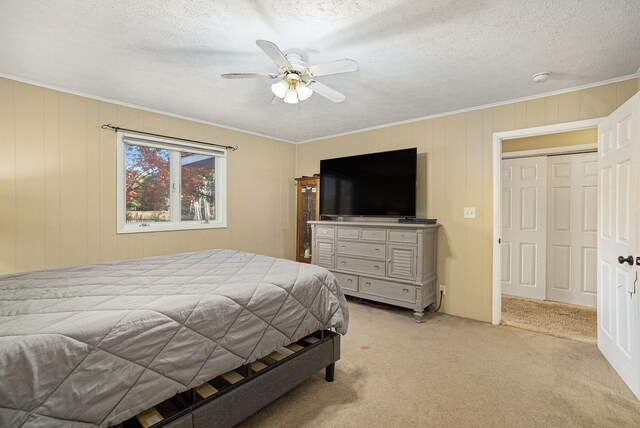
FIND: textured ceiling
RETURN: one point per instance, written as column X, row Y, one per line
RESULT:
column 416, row 57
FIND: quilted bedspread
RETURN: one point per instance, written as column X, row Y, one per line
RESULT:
column 94, row 345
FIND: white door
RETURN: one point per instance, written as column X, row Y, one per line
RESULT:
column 572, row 236
column 618, row 309
column 524, row 226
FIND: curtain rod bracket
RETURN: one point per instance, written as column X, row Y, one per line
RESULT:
column 117, row 128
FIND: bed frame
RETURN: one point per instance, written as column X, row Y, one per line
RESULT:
column 238, row 394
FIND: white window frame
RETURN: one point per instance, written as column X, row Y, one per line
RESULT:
column 176, row 146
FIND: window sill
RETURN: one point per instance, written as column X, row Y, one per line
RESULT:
column 170, row 227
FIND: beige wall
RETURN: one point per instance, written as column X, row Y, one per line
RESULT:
column 455, row 171
column 561, row 139
column 58, row 196
column 58, row 184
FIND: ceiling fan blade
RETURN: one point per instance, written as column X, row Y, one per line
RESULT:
column 249, row 75
column 327, row 92
column 274, row 53
column 334, row 67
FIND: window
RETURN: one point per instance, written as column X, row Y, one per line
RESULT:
column 166, row 184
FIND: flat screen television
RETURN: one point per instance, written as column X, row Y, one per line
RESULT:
column 372, row 185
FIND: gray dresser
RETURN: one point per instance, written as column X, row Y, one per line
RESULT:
column 394, row 263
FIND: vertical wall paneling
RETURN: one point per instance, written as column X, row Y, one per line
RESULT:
column 57, row 181
column 456, row 177
column 92, row 141
column 58, row 184
column 474, row 198
column 521, row 114
column 625, row 90
column 569, row 107
column 438, row 176
column 107, row 186
column 487, row 217
column 459, row 173
column 52, row 214
column 74, row 192
column 30, row 187
column 598, row 101
column 552, row 110
column 536, row 112
column 7, row 177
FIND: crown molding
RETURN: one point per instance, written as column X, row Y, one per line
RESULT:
column 136, row 106
column 479, row 107
column 355, row 131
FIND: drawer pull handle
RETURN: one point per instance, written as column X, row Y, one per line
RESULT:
column 377, row 249
column 373, row 234
column 377, row 267
column 367, row 283
column 349, row 280
column 344, row 263
column 344, row 246
column 406, row 290
column 402, row 236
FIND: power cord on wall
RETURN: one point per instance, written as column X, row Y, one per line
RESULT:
column 440, row 304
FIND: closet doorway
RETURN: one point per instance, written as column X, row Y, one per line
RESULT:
column 549, row 240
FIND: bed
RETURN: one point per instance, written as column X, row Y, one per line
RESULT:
column 96, row 345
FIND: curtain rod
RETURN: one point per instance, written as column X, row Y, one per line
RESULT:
column 117, row 128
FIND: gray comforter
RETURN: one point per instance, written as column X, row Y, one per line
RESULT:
column 95, row 345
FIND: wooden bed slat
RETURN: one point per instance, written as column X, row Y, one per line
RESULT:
column 149, row 417
column 311, row 339
column 295, row 347
column 256, row 366
column 206, row 390
column 276, row 356
column 232, row 377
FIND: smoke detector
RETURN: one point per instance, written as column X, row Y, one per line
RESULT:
column 541, row 77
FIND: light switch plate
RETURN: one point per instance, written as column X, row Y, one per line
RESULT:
column 470, row 212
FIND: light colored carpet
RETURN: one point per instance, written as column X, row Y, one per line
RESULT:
column 557, row 319
column 453, row 372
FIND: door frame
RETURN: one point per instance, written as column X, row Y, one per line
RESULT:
column 498, row 137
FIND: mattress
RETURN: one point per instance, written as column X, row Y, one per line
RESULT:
column 94, row 345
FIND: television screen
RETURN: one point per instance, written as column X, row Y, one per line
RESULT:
column 376, row 185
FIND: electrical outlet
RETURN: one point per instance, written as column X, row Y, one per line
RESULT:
column 470, row 212
column 443, row 289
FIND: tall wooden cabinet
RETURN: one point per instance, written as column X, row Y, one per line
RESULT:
column 308, row 209
column 394, row 263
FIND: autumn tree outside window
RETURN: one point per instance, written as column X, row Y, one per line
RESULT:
column 167, row 184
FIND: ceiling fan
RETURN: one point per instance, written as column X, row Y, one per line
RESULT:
column 296, row 80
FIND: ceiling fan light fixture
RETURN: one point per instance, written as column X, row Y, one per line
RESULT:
column 291, row 96
column 280, row 89
column 304, row 91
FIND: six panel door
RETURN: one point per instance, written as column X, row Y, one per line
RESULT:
column 618, row 308
column 524, row 225
column 572, row 235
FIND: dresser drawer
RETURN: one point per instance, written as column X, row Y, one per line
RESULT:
column 357, row 265
column 410, row 236
column 347, row 281
column 348, row 232
column 367, row 249
column 373, row 234
column 325, row 232
column 388, row 289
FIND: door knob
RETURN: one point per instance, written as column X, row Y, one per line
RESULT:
column 623, row 260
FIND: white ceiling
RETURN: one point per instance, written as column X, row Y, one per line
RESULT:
column 417, row 58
